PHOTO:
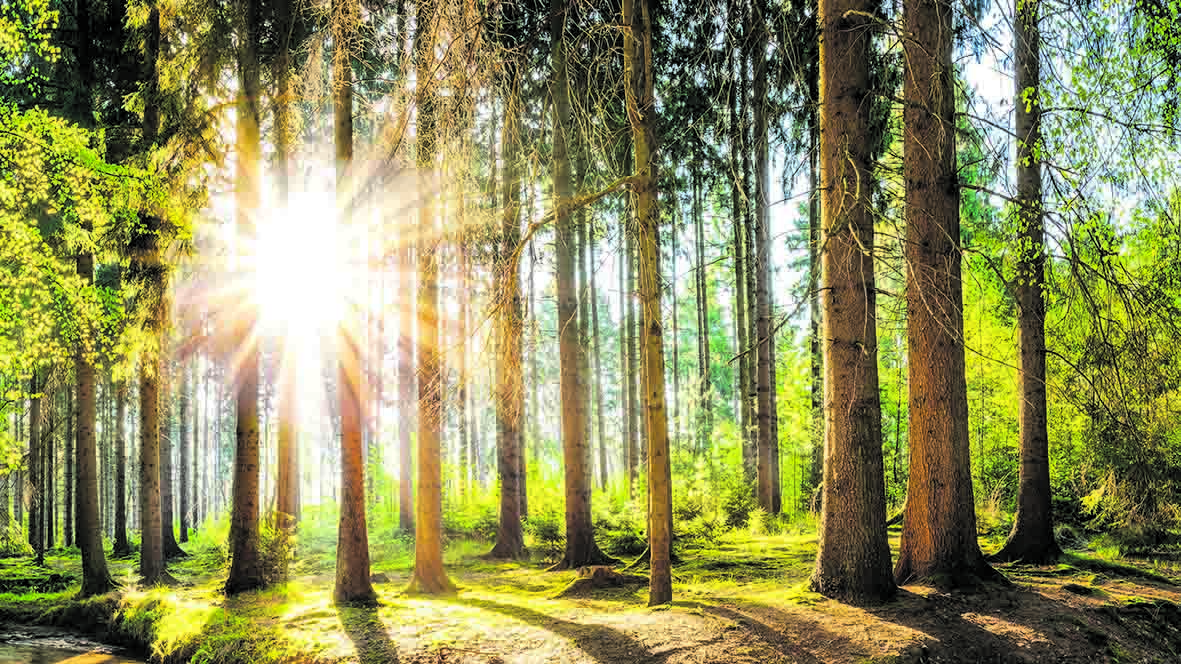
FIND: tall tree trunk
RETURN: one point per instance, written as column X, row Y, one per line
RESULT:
column 939, row 527
column 96, row 580
column 407, row 387
column 705, row 393
column 599, row 418
column 183, row 450
column 167, row 480
column 741, row 267
column 68, row 476
column 48, row 468
column 150, row 266
column 36, row 534
column 768, row 446
column 641, row 111
column 510, row 389
column 1032, row 538
column 287, row 482
column 580, row 537
column 352, row 545
column 466, row 458
column 626, row 433
column 429, row 576
column 634, row 434
column 815, row 350
column 675, row 423
column 245, row 562
column 853, row 555
column 121, row 547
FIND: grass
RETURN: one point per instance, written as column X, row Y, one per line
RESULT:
column 741, row 593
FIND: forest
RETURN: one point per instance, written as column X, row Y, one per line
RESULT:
column 590, row 331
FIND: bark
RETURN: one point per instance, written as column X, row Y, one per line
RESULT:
column 167, row 483
column 853, row 555
column 352, row 545
column 1032, row 538
column 748, row 238
column 633, row 361
column 641, row 111
column 407, row 387
column 705, row 393
column 466, row 458
column 121, row 547
column 768, row 446
column 737, row 202
column 816, row 353
column 36, row 534
column 580, row 539
column 429, row 576
column 48, row 476
column 183, row 451
column 939, row 528
column 625, row 374
column 287, row 481
column 96, row 580
column 599, row 418
column 245, row 560
column 69, row 475
column 510, row 389
column 675, row 423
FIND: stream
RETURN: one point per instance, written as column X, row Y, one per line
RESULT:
column 34, row 645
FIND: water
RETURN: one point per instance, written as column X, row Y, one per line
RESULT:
column 28, row 645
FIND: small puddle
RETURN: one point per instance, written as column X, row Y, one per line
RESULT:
column 31, row 645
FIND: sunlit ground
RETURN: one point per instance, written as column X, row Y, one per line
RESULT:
column 741, row 600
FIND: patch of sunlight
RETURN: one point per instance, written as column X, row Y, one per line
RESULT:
column 1021, row 635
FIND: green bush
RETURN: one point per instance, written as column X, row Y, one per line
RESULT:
column 546, row 530
column 738, row 501
column 13, row 542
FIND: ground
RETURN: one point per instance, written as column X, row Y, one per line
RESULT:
column 743, row 600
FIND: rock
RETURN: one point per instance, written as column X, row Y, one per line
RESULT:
column 379, row 578
column 1078, row 589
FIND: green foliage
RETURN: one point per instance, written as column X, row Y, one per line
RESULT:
column 547, row 534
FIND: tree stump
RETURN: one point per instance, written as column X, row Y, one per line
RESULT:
column 600, row 577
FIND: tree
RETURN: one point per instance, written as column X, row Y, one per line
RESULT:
column 641, row 112
column 429, row 576
column 939, row 527
column 580, row 538
column 510, row 388
column 183, row 448
column 853, row 555
column 287, row 480
column 1032, row 538
column 352, row 547
column 245, row 560
column 36, row 478
column 121, row 547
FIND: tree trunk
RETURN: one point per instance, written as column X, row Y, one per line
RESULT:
column 768, row 446
column 1032, row 539
column 352, row 545
column 510, row 389
column 633, row 360
column 939, row 529
column 183, row 449
column 815, row 350
column 429, row 576
column 853, row 554
column 641, row 111
column 407, row 387
column 69, row 475
column 96, row 580
column 600, row 420
column 245, row 561
column 705, row 393
column 580, row 538
column 121, row 548
column 625, row 373
column 167, row 483
column 287, row 480
column 36, row 535
column 48, row 463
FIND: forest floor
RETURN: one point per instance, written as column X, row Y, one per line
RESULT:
column 743, row 600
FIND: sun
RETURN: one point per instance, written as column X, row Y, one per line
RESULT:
column 301, row 268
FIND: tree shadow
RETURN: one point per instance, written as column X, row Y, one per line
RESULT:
column 603, row 644
column 368, row 634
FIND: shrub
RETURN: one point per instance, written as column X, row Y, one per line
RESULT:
column 546, row 530
column 738, row 501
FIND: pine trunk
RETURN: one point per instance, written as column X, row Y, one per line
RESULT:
column 183, row 451
column 641, row 111
column 245, row 562
column 287, row 481
column 580, row 539
column 510, row 389
column 167, row 483
column 429, row 576
column 939, row 528
column 36, row 535
column 1032, row 539
column 853, row 555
